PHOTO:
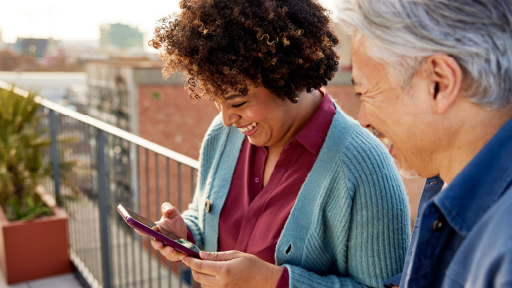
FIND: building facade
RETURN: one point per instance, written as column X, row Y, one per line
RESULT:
column 120, row 35
column 32, row 46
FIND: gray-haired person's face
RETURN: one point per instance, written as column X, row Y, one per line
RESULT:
column 389, row 113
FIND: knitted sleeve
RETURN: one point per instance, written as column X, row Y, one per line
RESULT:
column 368, row 196
column 192, row 216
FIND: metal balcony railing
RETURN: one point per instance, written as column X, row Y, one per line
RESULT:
column 111, row 167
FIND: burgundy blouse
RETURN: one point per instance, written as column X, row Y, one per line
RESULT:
column 253, row 217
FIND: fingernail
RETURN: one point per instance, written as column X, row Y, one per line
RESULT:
column 185, row 260
column 203, row 254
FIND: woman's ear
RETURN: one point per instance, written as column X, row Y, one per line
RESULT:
column 445, row 77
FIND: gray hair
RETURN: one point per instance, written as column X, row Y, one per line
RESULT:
column 476, row 33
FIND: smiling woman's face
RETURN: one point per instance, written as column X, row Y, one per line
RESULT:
column 265, row 119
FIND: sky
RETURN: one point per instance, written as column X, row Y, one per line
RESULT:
column 80, row 20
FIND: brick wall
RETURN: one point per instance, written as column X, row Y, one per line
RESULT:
column 174, row 120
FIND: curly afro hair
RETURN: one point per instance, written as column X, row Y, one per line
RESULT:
column 222, row 46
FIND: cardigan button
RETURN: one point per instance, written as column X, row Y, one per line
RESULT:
column 207, row 205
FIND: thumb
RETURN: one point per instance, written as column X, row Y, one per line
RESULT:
column 168, row 211
column 220, row 256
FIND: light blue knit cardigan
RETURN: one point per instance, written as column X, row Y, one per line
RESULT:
column 350, row 224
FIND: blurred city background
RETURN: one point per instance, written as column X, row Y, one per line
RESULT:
column 92, row 58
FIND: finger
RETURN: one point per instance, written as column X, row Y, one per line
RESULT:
column 205, row 279
column 157, row 244
column 167, row 251
column 168, row 210
column 206, row 267
column 219, row 256
column 140, row 233
column 172, row 254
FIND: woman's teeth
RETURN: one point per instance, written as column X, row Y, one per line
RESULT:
column 248, row 128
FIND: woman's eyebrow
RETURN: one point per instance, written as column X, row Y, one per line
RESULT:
column 233, row 96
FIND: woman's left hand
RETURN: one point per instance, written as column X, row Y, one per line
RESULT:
column 233, row 269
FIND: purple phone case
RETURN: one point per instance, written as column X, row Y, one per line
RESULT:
column 150, row 232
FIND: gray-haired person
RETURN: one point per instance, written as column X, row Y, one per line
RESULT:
column 435, row 78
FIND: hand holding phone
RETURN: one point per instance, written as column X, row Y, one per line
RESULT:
column 171, row 220
column 161, row 234
column 167, row 251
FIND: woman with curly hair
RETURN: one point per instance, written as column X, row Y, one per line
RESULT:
column 290, row 191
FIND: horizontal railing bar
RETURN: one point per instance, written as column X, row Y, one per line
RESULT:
column 107, row 128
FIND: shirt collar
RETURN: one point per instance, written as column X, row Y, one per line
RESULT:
column 432, row 188
column 313, row 135
column 480, row 184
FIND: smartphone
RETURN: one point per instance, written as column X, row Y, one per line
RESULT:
column 146, row 226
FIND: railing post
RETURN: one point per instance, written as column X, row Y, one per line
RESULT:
column 103, row 205
column 180, row 266
column 55, row 156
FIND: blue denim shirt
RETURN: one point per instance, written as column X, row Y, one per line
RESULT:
column 464, row 237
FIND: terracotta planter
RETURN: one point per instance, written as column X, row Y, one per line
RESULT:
column 37, row 248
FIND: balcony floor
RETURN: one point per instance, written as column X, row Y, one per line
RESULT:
column 61, row 281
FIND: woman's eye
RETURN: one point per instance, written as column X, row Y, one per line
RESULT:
column 358, row 95
column 238, row 105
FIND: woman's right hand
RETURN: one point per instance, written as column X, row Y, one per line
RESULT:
column 171, row 220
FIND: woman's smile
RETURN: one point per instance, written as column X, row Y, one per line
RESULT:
column 249, row 130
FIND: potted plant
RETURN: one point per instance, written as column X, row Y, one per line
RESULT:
column 33, row 230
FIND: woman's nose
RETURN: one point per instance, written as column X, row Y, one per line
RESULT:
column 228, row 117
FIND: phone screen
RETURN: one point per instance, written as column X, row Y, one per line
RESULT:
column 146, row 222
